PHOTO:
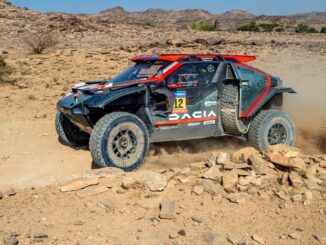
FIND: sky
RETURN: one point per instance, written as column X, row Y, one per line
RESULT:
column 258, row 7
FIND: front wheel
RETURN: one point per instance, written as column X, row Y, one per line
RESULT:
column 119, row 140
column 271, row 127
column 69, row 133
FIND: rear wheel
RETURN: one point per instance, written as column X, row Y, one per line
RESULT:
column 69, row 133
column 119, row 140
column 271, row 127
column 230, row 110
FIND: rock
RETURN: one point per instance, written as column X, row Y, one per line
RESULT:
column 155, row 181
column 150, row 203
column 210, row 238
column 311, row 185
column 173, row 236
column 298, row 163
column 322, row 164
column 290, row 154
column 259, row 165
column 295, row 235
column 311, row 172
column 295, row 179
column 106, row 204
column 223, row 157
column 297, row 198
column 322, row 176
column 233, row 239
column 235, row 198
column 21, row 85
column 167, row 210
column 243, row 154
column 197, row 219
column 198, row 189
column 40, row 235
column 92, row 191
column 212, row 187
column 213, row 173
column 285, row 179
column 11, row 240
column 228, row 165
column 307, row 197
column 79, row 184
column 133, row 180
column 258, row 239
column 230, row 180
column 1, row 195
column 282, row 195
column 211, row 161
column 277, row 155
column 182, row 232
column 321, row 237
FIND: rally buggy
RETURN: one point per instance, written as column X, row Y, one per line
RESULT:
column 171, row 98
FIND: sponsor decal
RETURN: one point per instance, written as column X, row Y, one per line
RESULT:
column 194, row 124
column 211, row 68
column 180, row 103
column 194, row 115
column 210, row 122
column 210, row 103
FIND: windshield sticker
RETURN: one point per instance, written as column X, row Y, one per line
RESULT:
column 210, row 103
column 211, row 68
column 210, row 122
column 180, row 103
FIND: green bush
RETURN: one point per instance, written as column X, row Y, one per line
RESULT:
column 303, row 28
column 268, row 27
column 5, row 69
column 250, row 27
column 323, row 29
column 279, row 29
column 203, row 26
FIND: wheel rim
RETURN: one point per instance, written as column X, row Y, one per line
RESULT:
column 277, row 134
column 125, row 144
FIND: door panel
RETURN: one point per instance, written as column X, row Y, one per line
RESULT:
column 195, row 108
column 252, row 86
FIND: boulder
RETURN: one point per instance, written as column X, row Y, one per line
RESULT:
column 133, row 181
column 92, row 191
column 211, row 161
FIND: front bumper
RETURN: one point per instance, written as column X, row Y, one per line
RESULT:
column 75, row 112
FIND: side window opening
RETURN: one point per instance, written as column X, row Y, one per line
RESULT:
column 193, row 75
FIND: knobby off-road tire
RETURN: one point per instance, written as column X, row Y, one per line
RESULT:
column 230, row 110
column 119, row 140
column 69, row 133
column 271, row 127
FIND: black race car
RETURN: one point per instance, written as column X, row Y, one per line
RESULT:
column 174, row 97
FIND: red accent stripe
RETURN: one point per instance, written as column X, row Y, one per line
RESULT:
column 268, row 78
column 173, row 122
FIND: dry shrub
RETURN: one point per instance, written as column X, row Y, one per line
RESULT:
column 40, row 41
column 5, row 70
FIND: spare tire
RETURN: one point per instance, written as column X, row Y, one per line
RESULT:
column 231, row 122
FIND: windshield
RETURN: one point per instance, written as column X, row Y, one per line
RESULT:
column 137, row 72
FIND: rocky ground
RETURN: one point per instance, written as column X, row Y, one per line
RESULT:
column 212, row 191
column 247, row 197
